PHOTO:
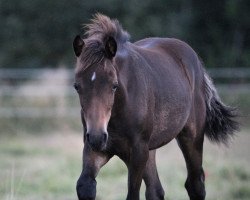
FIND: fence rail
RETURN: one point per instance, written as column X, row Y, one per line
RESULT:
column 40, row 73
column 35, row 93
column 231, row 73
column 36, row 73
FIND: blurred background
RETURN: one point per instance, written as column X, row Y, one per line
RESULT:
column 40, row 127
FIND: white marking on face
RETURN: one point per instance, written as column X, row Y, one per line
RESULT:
column 87, row 126
column 105, row 127
column 93, row 76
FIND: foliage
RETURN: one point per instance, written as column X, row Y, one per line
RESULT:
column 38, row 33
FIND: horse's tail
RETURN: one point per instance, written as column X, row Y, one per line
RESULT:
column 220, row 119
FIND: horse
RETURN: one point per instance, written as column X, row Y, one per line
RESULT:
column 137, row 97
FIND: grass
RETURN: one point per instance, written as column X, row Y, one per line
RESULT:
column 36, row 167
column 39, row 167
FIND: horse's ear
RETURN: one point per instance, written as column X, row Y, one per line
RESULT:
column 110, row 47
column 78, row 44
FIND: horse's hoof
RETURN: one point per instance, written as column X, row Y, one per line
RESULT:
column 86, row 194
column 86, row 189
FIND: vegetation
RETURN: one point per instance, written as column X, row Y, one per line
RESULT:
column 37, row 32
column 47, row 167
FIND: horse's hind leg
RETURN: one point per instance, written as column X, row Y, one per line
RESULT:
column 154, row 190
column 191, row 145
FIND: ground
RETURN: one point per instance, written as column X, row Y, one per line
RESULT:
column 46, row 166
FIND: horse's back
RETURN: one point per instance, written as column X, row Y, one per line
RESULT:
column 175, row 48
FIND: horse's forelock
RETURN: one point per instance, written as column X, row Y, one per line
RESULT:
column 100, row 28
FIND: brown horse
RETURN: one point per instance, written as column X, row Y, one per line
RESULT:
column 137, row 97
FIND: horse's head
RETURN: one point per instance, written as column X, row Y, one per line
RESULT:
column 96, row 82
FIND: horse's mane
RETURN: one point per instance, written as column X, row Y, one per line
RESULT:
column 100, row 28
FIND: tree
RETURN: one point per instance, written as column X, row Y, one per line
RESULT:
column 38, row 33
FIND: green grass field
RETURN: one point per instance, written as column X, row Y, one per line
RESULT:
column 38, row 167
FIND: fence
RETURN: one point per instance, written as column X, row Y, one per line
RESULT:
column 35, row 93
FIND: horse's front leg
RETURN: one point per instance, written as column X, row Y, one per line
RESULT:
column 154, row 190
column 92, row 163
column 138, row 159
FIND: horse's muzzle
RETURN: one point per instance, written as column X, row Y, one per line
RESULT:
column 97, row 141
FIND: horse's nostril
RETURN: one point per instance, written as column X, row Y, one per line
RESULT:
column 105, row 137
column 88, row 137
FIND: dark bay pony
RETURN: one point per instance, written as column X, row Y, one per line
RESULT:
column 137, row 97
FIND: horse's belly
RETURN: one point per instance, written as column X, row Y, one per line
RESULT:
column 167, row 124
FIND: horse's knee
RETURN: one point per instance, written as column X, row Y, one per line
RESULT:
column 196, row 189
column 86, row 188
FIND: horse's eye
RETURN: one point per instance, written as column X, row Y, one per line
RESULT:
column 115, row 86
column 77, row 87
